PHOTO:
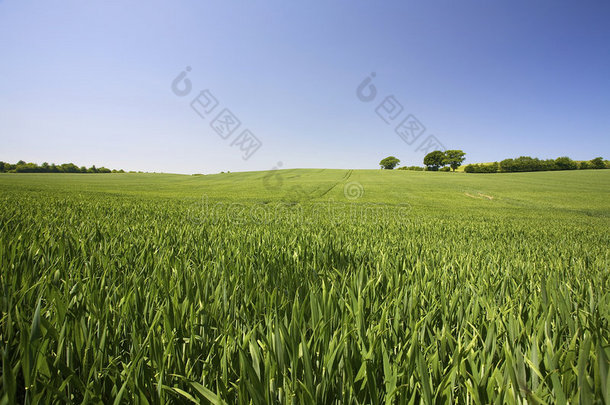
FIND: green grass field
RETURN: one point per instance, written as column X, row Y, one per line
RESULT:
column 305, row 286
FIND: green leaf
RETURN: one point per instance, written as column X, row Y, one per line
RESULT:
column 35, row 331
column 207, row 394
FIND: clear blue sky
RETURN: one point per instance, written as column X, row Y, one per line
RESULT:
column 90, row 82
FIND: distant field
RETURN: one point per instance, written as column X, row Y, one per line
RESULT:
column 306, row 286
column 587, row 189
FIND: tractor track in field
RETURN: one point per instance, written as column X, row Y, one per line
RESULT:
column 345, row 177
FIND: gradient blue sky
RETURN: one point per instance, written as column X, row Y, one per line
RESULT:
column 89, row 82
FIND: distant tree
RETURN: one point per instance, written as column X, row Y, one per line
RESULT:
column 482, row 168
column 434, row 160
column 69, row 168
column 23, row 167
column 414, row 168
column 389, row 163
column 527, row 164
column 507, row 165
column 548, row 164
column 454, row 158
column 598, row 163
column 1, row 167
column 26, row 168
column 565, row 163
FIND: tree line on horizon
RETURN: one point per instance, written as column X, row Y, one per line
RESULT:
column 530, row 164
column 23, row 167
column 452, row 159
column 434, row 161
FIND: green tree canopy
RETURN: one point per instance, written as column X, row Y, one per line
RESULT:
column 434, row 160
column 598, row 163
column 565, row 163
column 389, row 163
column 23, row 167
column 454, row 158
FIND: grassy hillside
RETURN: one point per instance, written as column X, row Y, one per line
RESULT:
column 305, row 286
column 585, row 192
